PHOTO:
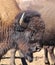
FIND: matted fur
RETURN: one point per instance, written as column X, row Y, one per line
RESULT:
column 15, row 35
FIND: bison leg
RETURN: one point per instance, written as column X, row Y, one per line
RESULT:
column 12, row 59
column 46, row 55
column 51, row 53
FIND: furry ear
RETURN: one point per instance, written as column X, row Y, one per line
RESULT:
column 21, row 19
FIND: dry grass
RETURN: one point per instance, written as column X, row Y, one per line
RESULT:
column 38, row 59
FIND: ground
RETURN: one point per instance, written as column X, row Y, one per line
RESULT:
column 38, row 59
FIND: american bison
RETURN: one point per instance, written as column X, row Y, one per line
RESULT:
column 21, row 34
column 34, row 26
column 47, row 10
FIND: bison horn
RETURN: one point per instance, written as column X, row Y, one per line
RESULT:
column 21, row 19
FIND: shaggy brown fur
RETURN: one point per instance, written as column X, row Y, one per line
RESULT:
column 19, row 37
column 8, row 11
column 47, row 10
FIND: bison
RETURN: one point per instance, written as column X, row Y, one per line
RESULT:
column 47, row 10
column 21, row 34
column 27, row 20
column 30, row 22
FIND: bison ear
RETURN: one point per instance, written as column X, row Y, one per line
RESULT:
column 21, row 19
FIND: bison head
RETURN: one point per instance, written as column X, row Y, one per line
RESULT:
column 31, row 23
column 34, row 28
